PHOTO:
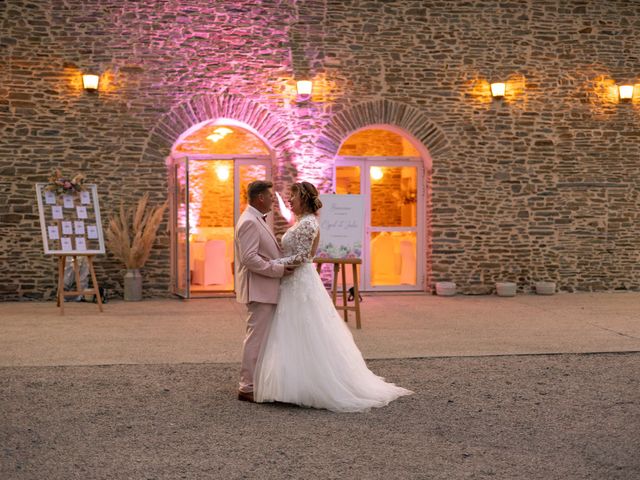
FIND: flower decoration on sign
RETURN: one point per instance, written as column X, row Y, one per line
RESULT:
column 339, row 251
column 60, row 184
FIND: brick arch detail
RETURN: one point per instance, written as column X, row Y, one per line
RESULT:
column 204, row 107
column 379, row 112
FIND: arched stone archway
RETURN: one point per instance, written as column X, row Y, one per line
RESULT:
column 383, row 112
column 190, row 257
column 205, row 107
column 426, row 136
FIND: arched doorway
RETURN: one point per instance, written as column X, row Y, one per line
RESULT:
column 382, row 164
column 210, row 167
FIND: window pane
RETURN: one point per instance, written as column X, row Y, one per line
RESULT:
column 393, row 196
column 248, row 174
column 211, row 241
column 393, row 258
column 181, row 229
column 347, row 180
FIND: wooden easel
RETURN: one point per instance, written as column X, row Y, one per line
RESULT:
column 62, row 260
column 340, row 264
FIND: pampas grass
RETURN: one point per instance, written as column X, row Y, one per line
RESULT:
column 132, row 232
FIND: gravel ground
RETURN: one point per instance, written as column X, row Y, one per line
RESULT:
column 515, row 417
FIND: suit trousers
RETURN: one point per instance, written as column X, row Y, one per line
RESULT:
column 258, row 324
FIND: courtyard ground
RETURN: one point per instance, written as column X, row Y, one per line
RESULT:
column 529, row 387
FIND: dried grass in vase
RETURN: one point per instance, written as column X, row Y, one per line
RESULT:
column 132, row 232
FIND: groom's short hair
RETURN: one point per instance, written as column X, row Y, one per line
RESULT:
column 256, row 188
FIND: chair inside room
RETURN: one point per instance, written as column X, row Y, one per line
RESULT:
column 212, row 267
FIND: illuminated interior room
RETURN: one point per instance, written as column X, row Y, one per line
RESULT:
column 385, row 167
column 211, row 168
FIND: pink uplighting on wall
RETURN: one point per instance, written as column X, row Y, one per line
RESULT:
column 313, row 168
column 284, row 211
column 195, row 198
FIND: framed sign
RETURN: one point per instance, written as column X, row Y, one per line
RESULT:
column 70, row 223
column 341, row 226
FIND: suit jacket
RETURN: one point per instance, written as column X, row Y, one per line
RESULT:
column 257, row 280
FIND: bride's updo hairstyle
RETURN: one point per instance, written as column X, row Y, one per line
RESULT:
column 309, row 198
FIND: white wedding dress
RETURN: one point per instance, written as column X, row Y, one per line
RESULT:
column 309, row 357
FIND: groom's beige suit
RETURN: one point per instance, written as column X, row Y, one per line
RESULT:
column 257, row 285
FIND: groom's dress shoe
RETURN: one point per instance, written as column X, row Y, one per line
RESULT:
column 246, row 397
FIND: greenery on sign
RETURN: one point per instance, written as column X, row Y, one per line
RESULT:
column 330, row 250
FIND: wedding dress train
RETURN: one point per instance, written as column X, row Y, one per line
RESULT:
column 310, row 357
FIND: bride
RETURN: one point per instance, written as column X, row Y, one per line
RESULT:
column 309, row 357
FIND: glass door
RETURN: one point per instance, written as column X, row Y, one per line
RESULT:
column 392, row 233
column 247, row 171
column 348, row 181
column 211, row 217
column 179, row 226
column 393, row 243
column 208, row 195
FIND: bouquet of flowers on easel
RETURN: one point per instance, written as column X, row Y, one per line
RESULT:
column 60, row 184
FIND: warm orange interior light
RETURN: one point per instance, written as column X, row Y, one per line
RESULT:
column 219, row 133
column 222, row 140
column 376, row 173
column 374, row 142
column 626, row 92
column 222, row 171
column 223, row 131
column 497, row 89
column 90, row 81
column 304, row 88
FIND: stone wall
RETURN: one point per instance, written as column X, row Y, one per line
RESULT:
column 543, row 184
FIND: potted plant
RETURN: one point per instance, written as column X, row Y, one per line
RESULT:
column 130, row 236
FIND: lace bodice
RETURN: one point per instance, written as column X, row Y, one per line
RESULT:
column 297, row 242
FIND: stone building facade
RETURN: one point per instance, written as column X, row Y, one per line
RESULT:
column 541, row 185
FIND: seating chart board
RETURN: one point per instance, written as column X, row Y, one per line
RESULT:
column 70, row 223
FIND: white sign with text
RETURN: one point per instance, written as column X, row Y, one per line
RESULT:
column 341, row 226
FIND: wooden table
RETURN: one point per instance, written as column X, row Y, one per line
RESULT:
column 339, row 264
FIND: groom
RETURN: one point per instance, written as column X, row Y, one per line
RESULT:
column 257, row 280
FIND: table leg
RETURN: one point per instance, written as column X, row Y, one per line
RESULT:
column 61, row 265
column 344, row 292
column 356, row 294
column 334, row 286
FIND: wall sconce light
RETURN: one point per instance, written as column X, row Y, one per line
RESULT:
column 625, row 92
column 497, row 90
column 304, row 88
column 90, row 81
